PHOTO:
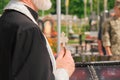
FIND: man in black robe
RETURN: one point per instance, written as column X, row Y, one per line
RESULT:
column 24, row 51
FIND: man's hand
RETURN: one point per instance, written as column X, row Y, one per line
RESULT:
column 65, row 60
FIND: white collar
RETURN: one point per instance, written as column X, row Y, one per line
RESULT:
column 20, row 7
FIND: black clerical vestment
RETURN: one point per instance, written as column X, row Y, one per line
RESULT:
column 23, row 52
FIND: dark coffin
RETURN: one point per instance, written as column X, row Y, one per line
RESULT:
column 104, row 70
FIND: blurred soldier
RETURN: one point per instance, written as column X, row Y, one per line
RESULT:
column 110, row 33
column 101, row 49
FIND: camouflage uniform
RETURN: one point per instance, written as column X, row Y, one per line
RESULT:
column 111, row 35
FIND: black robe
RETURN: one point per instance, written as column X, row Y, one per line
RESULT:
column 23, row 51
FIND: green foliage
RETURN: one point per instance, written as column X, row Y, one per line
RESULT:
column 111, row 4
column 76, row 7
column 63, row 29
column 2, row 5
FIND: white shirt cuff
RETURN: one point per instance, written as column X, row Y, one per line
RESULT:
column 61, row 74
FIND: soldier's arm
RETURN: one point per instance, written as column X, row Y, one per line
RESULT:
column 108, row 50
column 106, row 37
column 106, row 34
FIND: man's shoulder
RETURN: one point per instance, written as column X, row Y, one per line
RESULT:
column 17, row 19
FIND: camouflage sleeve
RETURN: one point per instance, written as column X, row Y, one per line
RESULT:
column 106, row 34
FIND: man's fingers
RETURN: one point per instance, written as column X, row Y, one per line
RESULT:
column 61, row 54
column 68, row 53
column 68, row 56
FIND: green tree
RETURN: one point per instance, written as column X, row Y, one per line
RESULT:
column 2, row 5
column 111, row 4
column 76, row 7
